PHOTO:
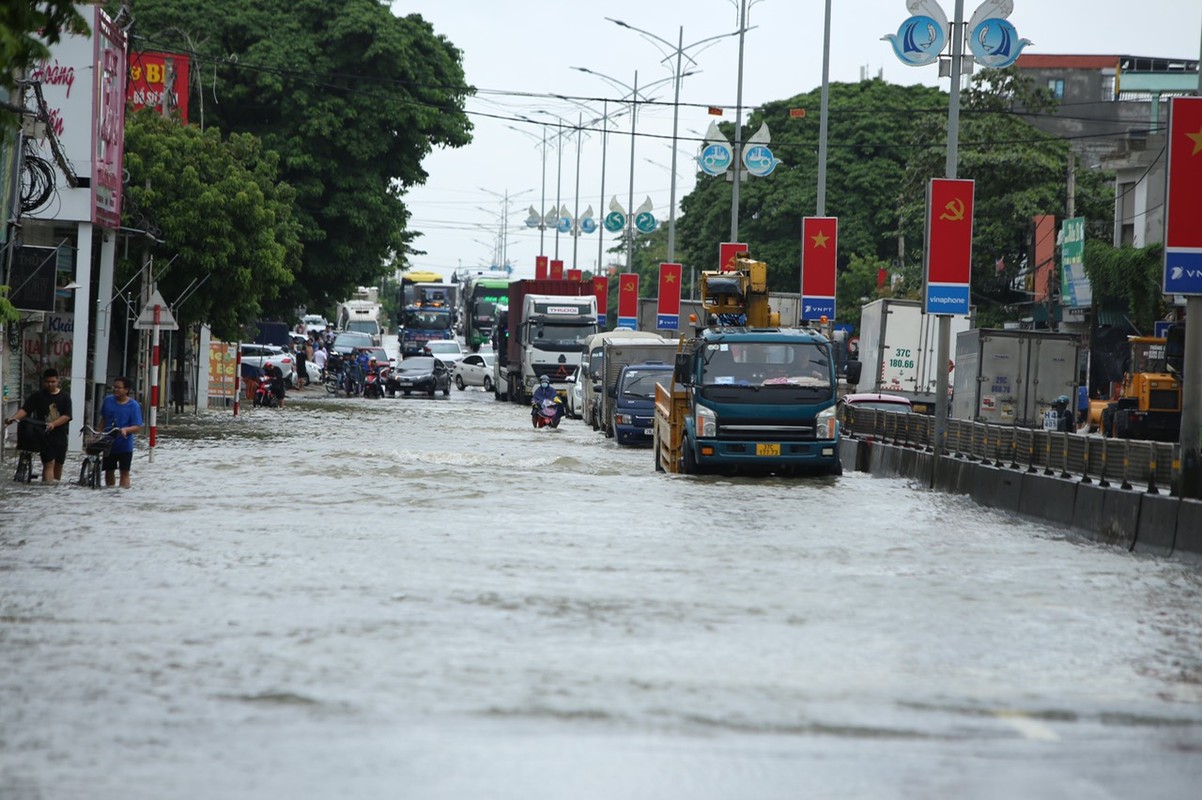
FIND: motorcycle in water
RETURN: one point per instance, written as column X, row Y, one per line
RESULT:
column 373, row 384
column 265, row 395
column 547, row 414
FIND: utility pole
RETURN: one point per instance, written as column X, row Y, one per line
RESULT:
column 1191, row 390
column 738, row 154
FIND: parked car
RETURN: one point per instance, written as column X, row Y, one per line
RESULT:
column 345, row 342
column 474, row 369
column 259, row 354
column 447, row 351
column 421, row 374
column 576, row 393
column 877, row 401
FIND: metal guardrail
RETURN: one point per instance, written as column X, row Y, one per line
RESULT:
column 1068, row 455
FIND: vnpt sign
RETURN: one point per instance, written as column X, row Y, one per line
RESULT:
column 1183, row 202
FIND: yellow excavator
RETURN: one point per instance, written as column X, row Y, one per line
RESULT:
column 1148, row 405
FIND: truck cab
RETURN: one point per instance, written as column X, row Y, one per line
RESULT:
column 634, row 401
column 756, row 399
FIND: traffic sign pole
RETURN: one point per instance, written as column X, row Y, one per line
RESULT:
column 154, row 380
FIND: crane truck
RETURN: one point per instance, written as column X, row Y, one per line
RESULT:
column 746, row 394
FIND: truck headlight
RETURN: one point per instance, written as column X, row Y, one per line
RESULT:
column 624, row 419
column 827, row 423
column 707, row 422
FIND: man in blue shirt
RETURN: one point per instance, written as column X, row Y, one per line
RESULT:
column 122, row 414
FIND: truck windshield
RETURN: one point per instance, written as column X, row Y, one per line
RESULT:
column 427, row 319
column 767, row 365
column 561, row 334
column 363, row 326
column 641, row 383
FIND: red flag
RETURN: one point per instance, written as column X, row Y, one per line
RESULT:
column 667, row 310
column 819, row 248
column 556, row 269
column 628, row 295
column 727, row 251
column 540, row 268
column 1183, row 216
column 576, row 275
column 601, row 290
column 949, row 231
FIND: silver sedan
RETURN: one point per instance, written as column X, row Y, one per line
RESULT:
column 474, row 369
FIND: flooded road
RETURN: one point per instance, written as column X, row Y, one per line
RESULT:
column 424, row 598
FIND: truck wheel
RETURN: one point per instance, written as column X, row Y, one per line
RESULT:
column 1122, row 424
column 609, row 429
column 835, row 469
column 659, row 467
column 688, row 462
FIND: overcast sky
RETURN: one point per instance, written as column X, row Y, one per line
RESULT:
column 519, row 55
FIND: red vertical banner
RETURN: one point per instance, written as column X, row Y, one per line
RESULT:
column 556, row 269
column 727, row 251
column 819, row 261
column 948, row 253
column 667, row 312
column 540, row 268
column 1183, row 201
column 628, row 300
column 576, row 275
column 601, row 290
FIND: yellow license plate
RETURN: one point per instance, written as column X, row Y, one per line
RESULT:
column 767, row 449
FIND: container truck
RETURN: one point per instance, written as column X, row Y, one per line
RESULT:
column 898, row 350
column 549, row 321
column 751, row 396
column 1012, row 377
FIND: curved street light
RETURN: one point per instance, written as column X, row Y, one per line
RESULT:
column 681, row 51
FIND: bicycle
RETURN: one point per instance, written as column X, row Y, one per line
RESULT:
column 29, row 443
column 96, row 449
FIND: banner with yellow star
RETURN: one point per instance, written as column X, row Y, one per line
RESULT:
column 541, row 268
column 819, row 258
column 628, row 300
column 667, row 311
column 601, row 290
column 1183, row 199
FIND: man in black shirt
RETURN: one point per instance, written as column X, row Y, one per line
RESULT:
column 51, row 406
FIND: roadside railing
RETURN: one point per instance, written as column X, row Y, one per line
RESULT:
column 1090, row 457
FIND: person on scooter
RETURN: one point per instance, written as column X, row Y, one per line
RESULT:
column 276, row 375
column 544, row 393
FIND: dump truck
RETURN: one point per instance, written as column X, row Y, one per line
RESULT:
column 745, row 394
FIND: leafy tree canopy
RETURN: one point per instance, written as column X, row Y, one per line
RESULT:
column 1127, row 279
column 350, row 96
column 222, row 214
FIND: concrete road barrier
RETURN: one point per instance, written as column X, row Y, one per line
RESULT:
column 1120, row 517
column 1049, row 498
column 997, row 487
column 1157, row 524
column 1188, row 546
column 1088, row 507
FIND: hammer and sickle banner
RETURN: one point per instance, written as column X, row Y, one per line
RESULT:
column 667, row 312
column 628, row 300
column 601, row 290
column 727, row 251
column 540, row 268
column 947, row 276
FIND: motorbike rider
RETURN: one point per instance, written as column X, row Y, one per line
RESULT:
column 276, row 376
column 1064, row 417
column 544, row 393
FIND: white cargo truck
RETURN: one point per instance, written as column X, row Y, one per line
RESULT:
column 898, row 348
column 1012, row 377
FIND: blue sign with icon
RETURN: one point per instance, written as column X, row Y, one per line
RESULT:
column 813, row 308
column 716, row 158
column 1183, row 271
column 588, row 225
column 759, row 160
column 918, row 41
column 615, row 221
column 645, row 222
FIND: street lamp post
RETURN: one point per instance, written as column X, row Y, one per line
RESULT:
column 542, row 224
column 680, row 51
column 505, row 198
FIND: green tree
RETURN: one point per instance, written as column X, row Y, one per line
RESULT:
column 870, row 126
column 1019, row 172
column 222, row 214
column 1127, row 279
column 350, row 96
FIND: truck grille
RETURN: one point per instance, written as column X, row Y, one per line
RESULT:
column 767, row 433
column 1164, row 400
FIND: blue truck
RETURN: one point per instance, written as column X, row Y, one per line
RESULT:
column 634, row 401
column 746, row 395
